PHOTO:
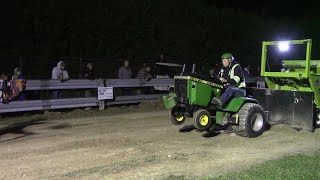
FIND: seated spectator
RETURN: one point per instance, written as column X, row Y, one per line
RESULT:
column 59, row 73
column 18, row 76
column 144, row 73
column 125, row 71
column 89, row 72
column 11, row 90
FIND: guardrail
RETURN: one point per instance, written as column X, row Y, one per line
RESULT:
column 35, row 85
column 38, row 85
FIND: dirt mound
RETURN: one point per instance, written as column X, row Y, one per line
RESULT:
column 52, row 114
column 283, row 128
column 152, row 105
column 78, row 113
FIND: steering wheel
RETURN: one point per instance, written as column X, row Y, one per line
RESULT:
column 215, row 79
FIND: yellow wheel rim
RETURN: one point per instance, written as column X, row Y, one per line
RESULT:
column 204, row 120
column 179, row 118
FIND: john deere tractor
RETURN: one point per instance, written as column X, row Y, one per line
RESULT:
column 192, row 98
column 292, row 96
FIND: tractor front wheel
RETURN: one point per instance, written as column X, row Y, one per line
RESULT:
column 202, row 119
column 252, row 121
column 177, row 116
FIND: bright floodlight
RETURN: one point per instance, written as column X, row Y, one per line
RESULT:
column 283, row 46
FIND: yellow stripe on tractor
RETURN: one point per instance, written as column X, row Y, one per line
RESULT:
column 199, row 80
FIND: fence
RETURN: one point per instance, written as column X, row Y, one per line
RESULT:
column 104, row 84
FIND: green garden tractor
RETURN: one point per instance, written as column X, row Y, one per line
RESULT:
column 292, row 96
column 192, row 98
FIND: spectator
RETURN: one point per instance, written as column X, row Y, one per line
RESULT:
column 3, row 90
column 3, row 76
column 217, row 68
column 258, row 71
column 90, row 75
column 211, row 72
column 18, row 76
column 89, row 72
column 59, row 73
column 144, row 73
column 144, row 65
column 11, row 90
column 160, row 70
column 255, row 71
column 125, row 71
column 247, row 71
column 161, row 58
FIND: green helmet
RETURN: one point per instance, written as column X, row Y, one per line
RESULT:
column 227, row 56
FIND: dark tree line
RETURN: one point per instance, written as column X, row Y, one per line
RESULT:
column 187, row 31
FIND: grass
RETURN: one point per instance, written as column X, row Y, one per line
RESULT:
column 295, row 167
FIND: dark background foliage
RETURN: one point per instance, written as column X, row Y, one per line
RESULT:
column 36, row 34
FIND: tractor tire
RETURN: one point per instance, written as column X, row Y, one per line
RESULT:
column 177, row 116
column 252, row 121
column 202, row 119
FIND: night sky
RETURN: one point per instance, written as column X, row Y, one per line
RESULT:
column 36, row 34
column 291, row 10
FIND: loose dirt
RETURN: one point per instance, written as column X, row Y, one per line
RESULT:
column 135, row 145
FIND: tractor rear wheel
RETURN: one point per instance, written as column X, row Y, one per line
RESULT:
column 202, row 119
column 177, row 116
column 252, row 121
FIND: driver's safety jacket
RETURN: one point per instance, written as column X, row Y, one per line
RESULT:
column 235, row 76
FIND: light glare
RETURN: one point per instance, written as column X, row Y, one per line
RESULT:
column 283, row 46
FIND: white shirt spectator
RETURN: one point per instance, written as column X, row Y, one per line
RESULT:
column 59, row 72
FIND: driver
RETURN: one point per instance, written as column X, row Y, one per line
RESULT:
column 233, row 80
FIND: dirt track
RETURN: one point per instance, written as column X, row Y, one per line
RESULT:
column 137, row 146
